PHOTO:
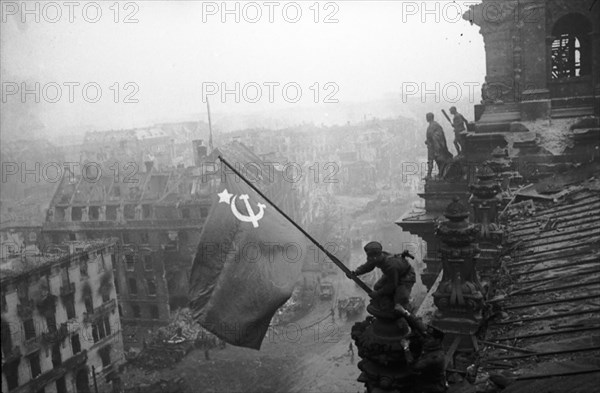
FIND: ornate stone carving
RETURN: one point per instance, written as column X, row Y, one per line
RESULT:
column 485, row 202
column 458, row 298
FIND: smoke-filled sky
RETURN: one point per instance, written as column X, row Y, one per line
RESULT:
column 370, row 51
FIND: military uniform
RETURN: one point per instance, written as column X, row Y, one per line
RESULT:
column 458, row 123
column 437, row 149
column 398, row 275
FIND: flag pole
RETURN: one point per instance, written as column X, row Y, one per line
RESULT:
column 210, row 136
column 333, row 258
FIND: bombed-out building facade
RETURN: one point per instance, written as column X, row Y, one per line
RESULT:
column 157, row 217
column 61, row 330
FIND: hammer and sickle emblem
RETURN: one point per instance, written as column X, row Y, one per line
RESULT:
column 251, row 216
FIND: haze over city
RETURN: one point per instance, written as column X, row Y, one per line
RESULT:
column 366, row 51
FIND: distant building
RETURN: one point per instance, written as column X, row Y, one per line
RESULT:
column 167, row 145
column 60, row 321
column 157, row 217
column 17, row 239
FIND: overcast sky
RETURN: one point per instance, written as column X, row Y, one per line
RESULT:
column 370, row 52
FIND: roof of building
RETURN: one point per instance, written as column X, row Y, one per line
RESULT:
column 31, row 258
column 548, row 294
column 168, row 186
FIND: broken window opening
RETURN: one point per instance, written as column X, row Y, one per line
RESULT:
column 83, row 270
column 76, row 213
column 89, row 304
column 59, row 214
column 69, row 303
column 106, row 321
column 7, row 345
column 11, row 372
column 61, row 385
column 95, row 333
column 146, row 211
column 571, row 49
column 94, row 213
column 132, row 286
column 151, row 288
column 105, row 296
column 185, row 213
column 56, row 356
column 130, row 262
column 34, row 364
column 29, row 328
column 51, row 323
column 75, row 343
column 104, row 353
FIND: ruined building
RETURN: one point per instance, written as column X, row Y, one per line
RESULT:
column 511, row 225
column 157, row 217
column 61, row 330
column 540, row 104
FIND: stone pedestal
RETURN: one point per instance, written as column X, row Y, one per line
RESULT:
column 382, row 342
column 458, row 299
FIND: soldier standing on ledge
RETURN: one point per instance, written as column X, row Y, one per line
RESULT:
column 459, row 123
column 398, row 275
column 437, row 149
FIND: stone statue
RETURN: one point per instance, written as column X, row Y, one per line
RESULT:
column 437, row 148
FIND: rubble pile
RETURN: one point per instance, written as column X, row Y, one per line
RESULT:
column 175, row 385
column 182, row 328
column 171, row 343
column 156, row 357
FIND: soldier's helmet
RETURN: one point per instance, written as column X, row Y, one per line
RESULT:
column 373, row 249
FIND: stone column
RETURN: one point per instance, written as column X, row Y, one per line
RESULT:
column 506, row 175
column 458, row 299
column 485, row 200
column 595, row 67
column 534, row 83
column 382, row 342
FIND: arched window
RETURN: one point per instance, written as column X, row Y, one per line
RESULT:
column 571, row 49
column 151, row 288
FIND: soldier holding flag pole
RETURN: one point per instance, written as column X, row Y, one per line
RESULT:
column 234, row 293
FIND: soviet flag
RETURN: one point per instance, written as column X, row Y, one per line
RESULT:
column 246, row 265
